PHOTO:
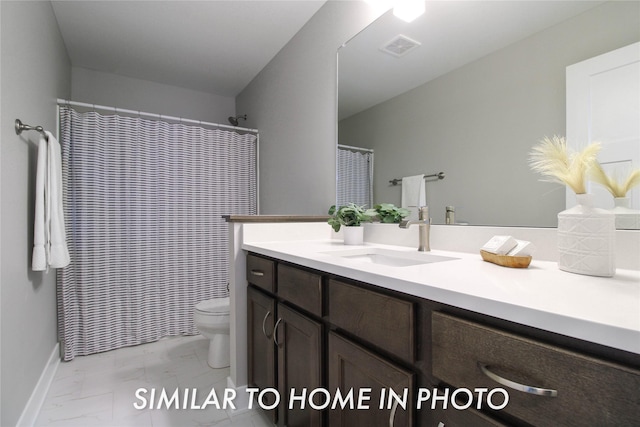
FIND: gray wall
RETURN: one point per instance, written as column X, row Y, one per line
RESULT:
column 292, row 102
column 35, row 71
column 479, row 122
column 95, row 87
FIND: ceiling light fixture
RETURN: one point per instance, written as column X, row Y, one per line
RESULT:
column 408, row 10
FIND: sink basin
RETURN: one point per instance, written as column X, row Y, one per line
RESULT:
column 389, row 257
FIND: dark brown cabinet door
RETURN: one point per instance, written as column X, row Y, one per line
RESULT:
column 354, row 367
column 299, row 344
column 262, row 362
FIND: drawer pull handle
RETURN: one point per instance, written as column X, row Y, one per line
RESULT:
column 392, row 416
column 517, row 386
column 275, row 332
column 263, row 322
column 257, row 273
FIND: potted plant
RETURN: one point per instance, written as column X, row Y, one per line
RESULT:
column 351, row 216
column 388, row 213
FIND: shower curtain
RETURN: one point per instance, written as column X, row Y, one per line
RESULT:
column 143, row 203
column 355, row 177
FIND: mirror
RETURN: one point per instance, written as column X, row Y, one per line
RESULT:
column 486, row 83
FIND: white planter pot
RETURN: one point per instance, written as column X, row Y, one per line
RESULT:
column 353, row 235
column 626, row 218
column 586, row 239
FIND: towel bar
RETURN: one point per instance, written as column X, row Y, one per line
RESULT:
column 439, row 175
column 20, row 127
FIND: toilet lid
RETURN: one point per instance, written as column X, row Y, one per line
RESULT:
column 215, row 305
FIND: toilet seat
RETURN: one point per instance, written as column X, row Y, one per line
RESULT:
column 214, row 307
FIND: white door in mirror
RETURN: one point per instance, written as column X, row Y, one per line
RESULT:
column 603, row 105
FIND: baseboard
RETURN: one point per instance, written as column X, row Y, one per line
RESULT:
column 32, row 409
column 241, row 402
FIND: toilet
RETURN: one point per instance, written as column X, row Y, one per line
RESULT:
column 212, row 320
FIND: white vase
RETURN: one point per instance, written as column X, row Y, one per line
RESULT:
column 353, row 235
column 586, row 239
column 626, row 218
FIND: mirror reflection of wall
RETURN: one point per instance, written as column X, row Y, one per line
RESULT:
column 478, row 121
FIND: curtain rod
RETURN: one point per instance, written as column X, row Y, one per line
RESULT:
column 151, row 115
column 348, row 147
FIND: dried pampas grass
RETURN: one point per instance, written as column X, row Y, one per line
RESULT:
column 616, row 186
column 553, row 159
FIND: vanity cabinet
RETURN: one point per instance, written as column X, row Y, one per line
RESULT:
column 311, row 329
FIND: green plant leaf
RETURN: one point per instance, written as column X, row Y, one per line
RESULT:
column 388, row 213
column 349, row 215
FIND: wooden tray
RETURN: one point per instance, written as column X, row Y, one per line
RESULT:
column 506, row 261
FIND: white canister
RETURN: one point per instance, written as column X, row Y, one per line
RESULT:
column 586, row 239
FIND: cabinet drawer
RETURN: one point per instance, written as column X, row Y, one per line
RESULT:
column 261, row 272
column 589, row 391
column 382, row 320
column 300, row 287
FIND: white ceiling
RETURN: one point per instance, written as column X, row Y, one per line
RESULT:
column 212, row 46
column 452, row 34
column 219, row 46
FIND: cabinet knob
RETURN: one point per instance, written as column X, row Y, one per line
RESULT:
column 258, row 273
column 516, row 386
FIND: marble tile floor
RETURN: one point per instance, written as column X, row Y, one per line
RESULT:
column 99, row 390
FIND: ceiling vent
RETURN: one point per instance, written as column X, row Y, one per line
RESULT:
column 399, row 46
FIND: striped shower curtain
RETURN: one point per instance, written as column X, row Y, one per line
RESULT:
column 143, row 203
column 355, row 177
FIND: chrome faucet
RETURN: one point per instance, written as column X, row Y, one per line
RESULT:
column 424, row 226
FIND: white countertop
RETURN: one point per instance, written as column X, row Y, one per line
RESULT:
column 601, row 310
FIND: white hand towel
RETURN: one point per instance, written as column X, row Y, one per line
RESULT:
column 49, row 238
column 40, row 239
column 413, row 194
column 59, row 254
